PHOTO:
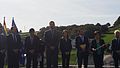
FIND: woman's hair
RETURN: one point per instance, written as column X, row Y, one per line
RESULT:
column 97, row 32
column 116, row 31
column 66, row 32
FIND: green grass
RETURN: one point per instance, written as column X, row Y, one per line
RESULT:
column 108, row 38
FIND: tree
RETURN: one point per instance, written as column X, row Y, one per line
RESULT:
column 108, row 24
column 98, row 24
column 117, row 22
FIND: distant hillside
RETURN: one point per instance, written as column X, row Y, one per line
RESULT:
column 117, row 22
column 73, row 29
column 90, row 28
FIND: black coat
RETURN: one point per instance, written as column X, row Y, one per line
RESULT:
column 41, row 47
column 65, row 46
column 79, row 42
column 115, row 45
column 2, row 42
column 12, row 44
column 29, row 46
column 94, row 45
column 52, row 40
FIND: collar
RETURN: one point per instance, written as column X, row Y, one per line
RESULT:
column 81, row 35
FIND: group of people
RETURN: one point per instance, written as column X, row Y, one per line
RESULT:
column 51, row 44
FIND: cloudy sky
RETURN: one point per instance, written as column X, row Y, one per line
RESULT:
column 37, row 13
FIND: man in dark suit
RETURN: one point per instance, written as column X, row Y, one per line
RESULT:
column 82, row 45
column 31, row 47
column 116, row 48
column 41, row 53
column 2, row 48
column 52, row 39
column 14, row 45
column 41, row 49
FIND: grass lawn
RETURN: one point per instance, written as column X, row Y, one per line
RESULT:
column 108, row 38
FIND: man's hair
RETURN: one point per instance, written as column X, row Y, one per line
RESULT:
column 12, row 28
column 31, row 30
column 51, row 22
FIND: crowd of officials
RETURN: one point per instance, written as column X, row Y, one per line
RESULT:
column 52, row 42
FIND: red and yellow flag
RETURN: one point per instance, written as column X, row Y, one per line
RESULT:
column 5, row 28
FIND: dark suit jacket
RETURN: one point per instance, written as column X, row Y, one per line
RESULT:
column 30, row 46
column 94, row 45
column 41, row 47
column 79, row 42
column 65, row 46
column 2, row 42
column 115, row 45
column 52, row 40
column 12, row 44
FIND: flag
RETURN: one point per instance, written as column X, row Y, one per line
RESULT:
column 13, row 24
column 5, row 28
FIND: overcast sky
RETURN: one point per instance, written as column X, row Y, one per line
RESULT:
column 37, row 13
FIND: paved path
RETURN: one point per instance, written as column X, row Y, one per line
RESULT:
column 107, row 62
column 89, row 66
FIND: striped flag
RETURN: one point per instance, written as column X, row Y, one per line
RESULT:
column 5, row 28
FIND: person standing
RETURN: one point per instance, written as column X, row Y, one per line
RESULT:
column 41, row 50
column 65, row 47
column 98, row 47
column 22, row 57
column 2, row 47
column 13, row 48
column 31, row 48
column 82, row 45
column 52, row 39
column 116, row 48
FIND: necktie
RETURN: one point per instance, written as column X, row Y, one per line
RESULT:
column 31, row 40
column 82, row 38
column 14, row 37
column 118, row 41
column 52, row 33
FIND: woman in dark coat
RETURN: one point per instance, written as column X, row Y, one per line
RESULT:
column 65, row 47
column 98, row 47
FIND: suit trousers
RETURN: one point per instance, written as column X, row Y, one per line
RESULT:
column 32, row 58
column 98, row 60
column 116, row 58
column 65, row 60
column 52, row 58
column 82, row 57
column 2, row 57
column 13, row 59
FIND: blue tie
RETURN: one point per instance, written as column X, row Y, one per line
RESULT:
column 118, row 41
column 82, row 38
